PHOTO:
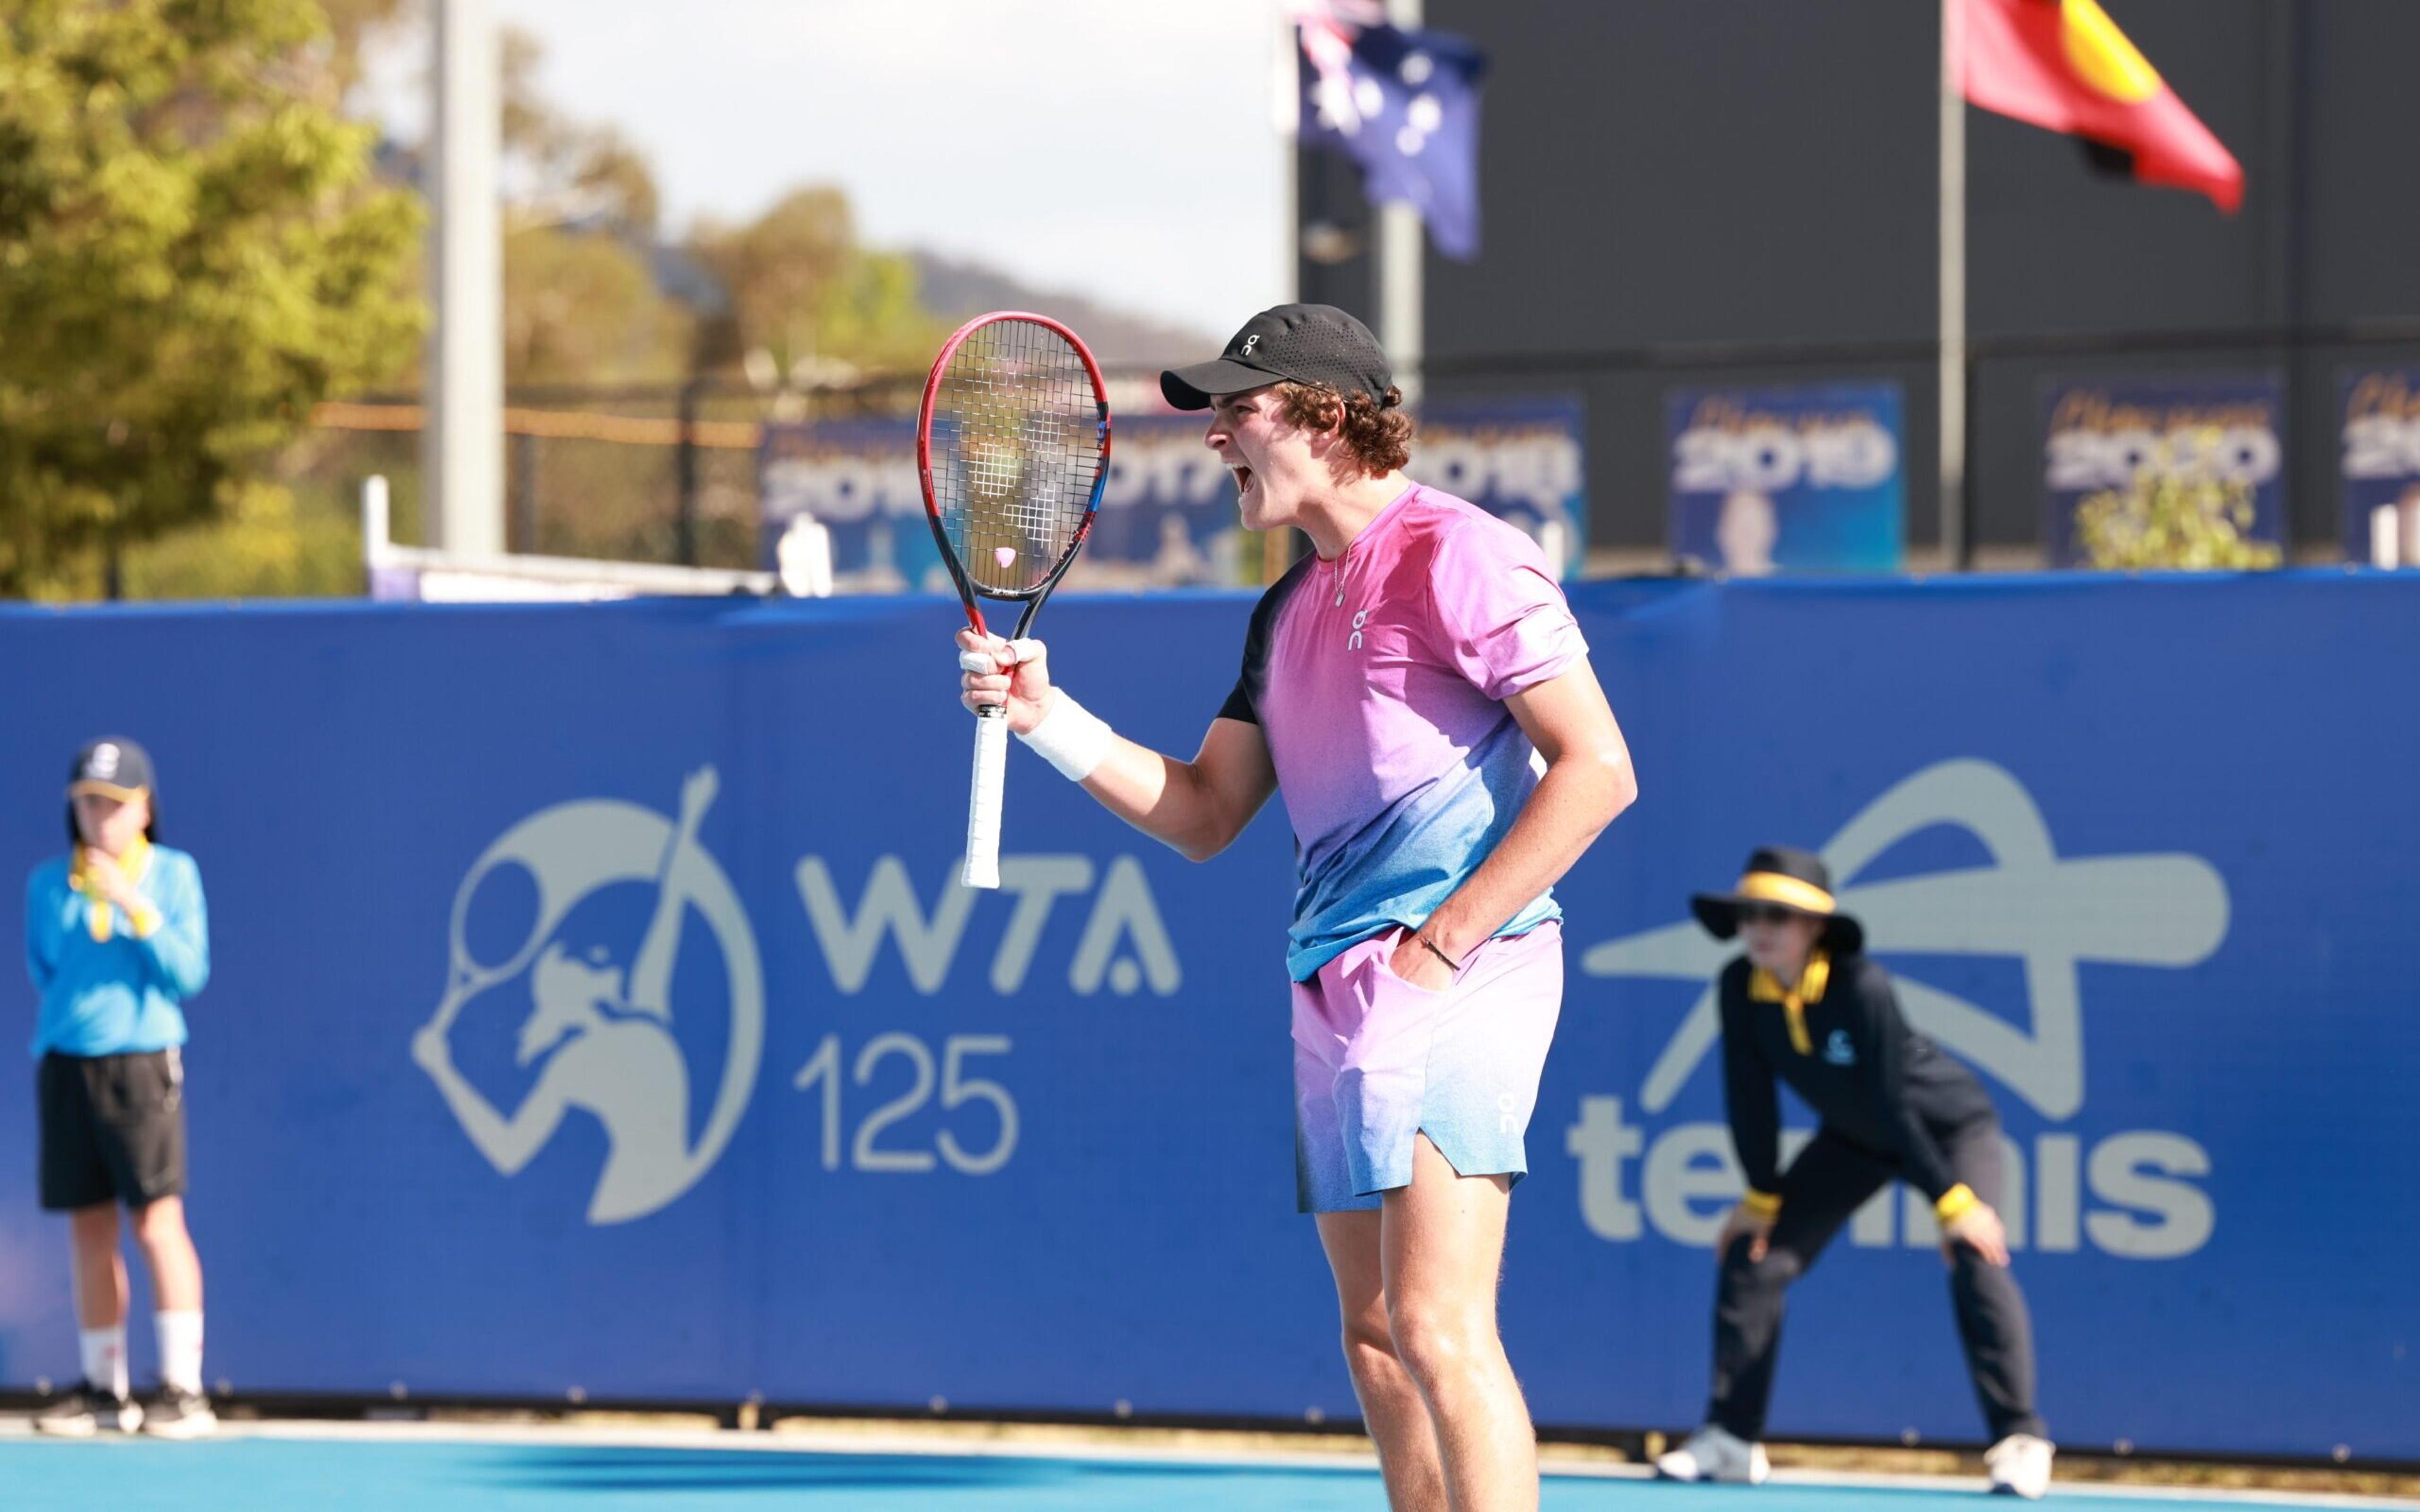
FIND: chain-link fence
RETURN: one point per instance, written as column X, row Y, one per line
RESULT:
column 672, row 474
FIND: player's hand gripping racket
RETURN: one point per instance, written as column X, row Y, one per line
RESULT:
column 1013, row 446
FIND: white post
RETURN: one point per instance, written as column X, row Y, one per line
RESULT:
column 462, row 448
column 1953, row 288
column 1399, row 253
column 1285, row 116
column 803, row 554
column 376, row 534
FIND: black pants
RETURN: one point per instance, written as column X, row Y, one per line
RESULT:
column 1829, row 1181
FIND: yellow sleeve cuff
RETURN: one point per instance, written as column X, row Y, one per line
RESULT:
column 1954, row 1203
column 147, row 923
column 1762, row 1204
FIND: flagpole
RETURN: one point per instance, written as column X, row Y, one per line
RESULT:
column 1956, row 550
column 1285, row 117
column 1276, row 547
column 1399, row 267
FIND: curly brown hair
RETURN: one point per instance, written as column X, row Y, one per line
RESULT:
column 1379, row 437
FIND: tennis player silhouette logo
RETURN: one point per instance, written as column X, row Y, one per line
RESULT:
column 2052, row 913
column 595, row 1039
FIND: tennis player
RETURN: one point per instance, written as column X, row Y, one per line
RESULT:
column 117, row 941
column 1803, row 1006
column 1418, row 691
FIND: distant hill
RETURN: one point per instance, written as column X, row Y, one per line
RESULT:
column 956, row 290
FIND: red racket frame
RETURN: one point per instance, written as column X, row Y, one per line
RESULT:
column 968, row 592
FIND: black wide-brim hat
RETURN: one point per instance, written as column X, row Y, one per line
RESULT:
column 1793, row 879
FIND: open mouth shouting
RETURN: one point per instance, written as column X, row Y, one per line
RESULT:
column 1243, row 476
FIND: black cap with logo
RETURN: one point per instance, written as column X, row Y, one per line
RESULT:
column 1305, row 343
column 114, row 765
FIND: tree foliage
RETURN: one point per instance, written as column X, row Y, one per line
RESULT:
column 809, row 295
column 191, row 257
column 583, row 308
column 581, row 300
column 562, row 169
column 194, row 250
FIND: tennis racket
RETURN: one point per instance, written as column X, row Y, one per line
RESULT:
column 1013, row 447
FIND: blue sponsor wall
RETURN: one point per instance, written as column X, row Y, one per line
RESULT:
column 477, row 1110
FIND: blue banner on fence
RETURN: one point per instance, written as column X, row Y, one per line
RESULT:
column 1522, row 460
column 615, row 1022
column 1167, row 510
column 2378, row 411
column 857, row 478
column 1808, row 477
column 2104, row 438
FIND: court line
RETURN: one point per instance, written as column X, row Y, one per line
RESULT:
column 911, row 1442
column 907, row 1441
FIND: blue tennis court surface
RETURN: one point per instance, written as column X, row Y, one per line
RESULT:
column 386, row 1471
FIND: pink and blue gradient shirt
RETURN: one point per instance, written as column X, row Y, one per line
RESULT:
column 1379, row 679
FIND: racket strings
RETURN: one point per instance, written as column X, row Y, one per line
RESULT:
column 1017, row 423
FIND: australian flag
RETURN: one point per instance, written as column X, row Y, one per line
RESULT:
column 1404, row 104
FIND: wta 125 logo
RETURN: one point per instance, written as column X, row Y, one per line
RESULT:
column 601, row 964
column 2048, row 913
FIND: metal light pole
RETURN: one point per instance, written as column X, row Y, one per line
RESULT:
column 462, row 448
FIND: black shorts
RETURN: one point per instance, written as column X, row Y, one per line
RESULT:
column 113, row 1128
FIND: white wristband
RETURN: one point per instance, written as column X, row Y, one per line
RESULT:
column 1070, row 739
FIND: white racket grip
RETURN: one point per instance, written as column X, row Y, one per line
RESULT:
column 983, row 799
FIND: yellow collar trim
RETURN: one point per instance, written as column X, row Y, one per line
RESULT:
column 1764, row 987
column 135, row 863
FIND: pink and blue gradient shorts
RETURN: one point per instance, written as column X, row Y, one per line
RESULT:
column 1378, row 1062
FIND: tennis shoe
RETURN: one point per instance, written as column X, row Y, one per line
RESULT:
column 2020, row 1466
column 1715, row 1454
column 181, row 1414
column 85, row 1411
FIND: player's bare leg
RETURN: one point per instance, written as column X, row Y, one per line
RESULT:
column 1392, row 1407
column 102, row 1401
column 100, row 1270
column 176, row 1270
column 183, row 1412
column 1443, row 1246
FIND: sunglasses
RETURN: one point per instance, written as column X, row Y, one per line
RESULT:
column 1766, row 914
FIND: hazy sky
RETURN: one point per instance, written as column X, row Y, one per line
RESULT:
column 1120, row 149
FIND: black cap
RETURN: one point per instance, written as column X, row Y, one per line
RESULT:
column 1306, row 342
column 112, row 764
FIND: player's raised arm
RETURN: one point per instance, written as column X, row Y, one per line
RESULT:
column 1196, row 808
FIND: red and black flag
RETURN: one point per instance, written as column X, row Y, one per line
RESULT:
column 2063, row 65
